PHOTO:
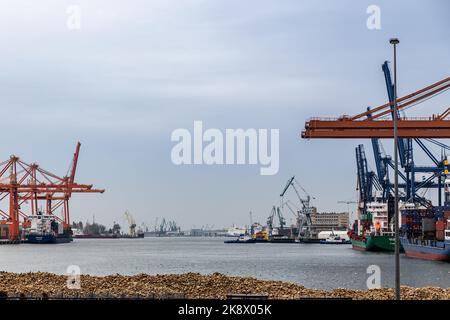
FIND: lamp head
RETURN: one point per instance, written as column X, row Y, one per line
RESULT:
column 394, row 41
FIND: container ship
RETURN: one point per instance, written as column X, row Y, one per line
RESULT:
column 425, row 233
column 45, row 229
column 428, row 249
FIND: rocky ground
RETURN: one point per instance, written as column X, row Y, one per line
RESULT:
column 188, row 285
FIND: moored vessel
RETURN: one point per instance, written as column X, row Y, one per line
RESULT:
column 373, row 242
column 334, row 239
column 425, row 233
column 242, row 239
column 428, row 249
column 372, row 231
column 235, row 231
column 45, row 229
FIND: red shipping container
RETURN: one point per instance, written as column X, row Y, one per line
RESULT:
column 440, row 235
column 440, row 225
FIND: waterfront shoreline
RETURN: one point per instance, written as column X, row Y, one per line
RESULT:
column 188, row 285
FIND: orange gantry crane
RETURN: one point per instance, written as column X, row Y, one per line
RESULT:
column 373, row 124
column 28, row 185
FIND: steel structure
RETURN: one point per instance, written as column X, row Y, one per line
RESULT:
column 281, row 220
column 291, row 183
column 373, row 124
column 28, row 185
column 304, row 214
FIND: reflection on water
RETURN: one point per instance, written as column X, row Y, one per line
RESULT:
column 312, row 265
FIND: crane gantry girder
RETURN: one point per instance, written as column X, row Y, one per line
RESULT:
column 370, row 124
column 426, row 128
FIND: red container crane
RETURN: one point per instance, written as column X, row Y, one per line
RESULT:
column 370, row 124
column 27, row 185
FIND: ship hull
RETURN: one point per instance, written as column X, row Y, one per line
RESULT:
column 440, row 251
column 335, row 242
column 47, row 238
column 374, row 243
column 240, row 241
column 309, row 240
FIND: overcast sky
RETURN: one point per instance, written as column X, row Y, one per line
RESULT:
column 137, row 70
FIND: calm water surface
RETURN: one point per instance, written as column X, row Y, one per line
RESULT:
column 312, row 265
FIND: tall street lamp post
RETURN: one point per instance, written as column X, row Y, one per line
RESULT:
column 394, row 42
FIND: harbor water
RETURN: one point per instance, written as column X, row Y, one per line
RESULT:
column 312, row 265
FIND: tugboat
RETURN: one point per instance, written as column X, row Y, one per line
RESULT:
column 45, row 229
column 242, row 239
column 334, row 239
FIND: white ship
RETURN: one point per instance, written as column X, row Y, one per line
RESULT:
column 236, row 231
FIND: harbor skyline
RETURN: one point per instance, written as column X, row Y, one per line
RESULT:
column 225, row 158
column 130, row 76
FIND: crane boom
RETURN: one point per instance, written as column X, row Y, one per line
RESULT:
column 75, row 162
column 287, row 186
column 305, row 202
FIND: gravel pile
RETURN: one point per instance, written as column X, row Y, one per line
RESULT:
column 188, row 285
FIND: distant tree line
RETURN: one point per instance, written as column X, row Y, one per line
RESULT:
column 95, row 228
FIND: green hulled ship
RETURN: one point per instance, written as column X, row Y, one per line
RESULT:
column 373, row 230
column 374, row 243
